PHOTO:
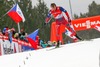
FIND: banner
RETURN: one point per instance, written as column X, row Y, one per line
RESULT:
column 86, row 23
column 15, row 47
column 78, row 25
column 9, row 48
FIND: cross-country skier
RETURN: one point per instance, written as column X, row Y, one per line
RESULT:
column 56, row 12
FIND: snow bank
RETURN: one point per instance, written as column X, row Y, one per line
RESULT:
column 81, row 54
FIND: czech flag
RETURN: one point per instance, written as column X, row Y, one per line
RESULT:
column 16, row 14
column 32, row 38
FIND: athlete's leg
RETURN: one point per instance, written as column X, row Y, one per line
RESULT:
column 69, row 27
column 58, row 35
column 68, row 33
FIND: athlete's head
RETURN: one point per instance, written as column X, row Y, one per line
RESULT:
column 53, row 6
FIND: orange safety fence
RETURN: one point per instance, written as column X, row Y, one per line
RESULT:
column 54, row 32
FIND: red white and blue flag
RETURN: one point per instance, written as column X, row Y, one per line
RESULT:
column 32, row 39
column 16, row 14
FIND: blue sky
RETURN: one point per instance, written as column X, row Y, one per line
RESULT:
column 77, row 5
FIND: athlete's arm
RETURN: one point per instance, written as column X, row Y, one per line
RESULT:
column 63, row 10
column 48, row 17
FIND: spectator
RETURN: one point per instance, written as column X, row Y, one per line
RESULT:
column 23, row 35
column 50, row 43
column 1, row 32
column 43, row 44
column 54, row 43
column 5, row 31
column 13, row 32
column 10, row 35
column 37, row 40
column 16, row 35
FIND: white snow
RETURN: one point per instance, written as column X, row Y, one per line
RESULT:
column 80, row 54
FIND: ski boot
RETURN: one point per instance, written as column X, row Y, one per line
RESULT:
column 58, row 45
column 80, row 39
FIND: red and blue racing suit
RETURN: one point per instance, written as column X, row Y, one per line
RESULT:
column 60, row 19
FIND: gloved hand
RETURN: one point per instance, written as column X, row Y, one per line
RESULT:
column 69, row 20
column 45, row 24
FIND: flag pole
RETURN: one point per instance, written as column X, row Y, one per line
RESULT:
column 18, row 28
column 71, row 9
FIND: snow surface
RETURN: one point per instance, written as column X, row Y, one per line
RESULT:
column 80, row 54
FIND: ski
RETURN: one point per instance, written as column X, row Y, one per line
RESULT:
column 53, row 48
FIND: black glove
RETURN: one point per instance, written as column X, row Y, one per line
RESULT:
column 45, row 24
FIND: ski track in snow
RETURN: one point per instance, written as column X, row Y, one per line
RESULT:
column 80, row 54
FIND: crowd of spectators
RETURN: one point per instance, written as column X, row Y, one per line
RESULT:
column 11, row 33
